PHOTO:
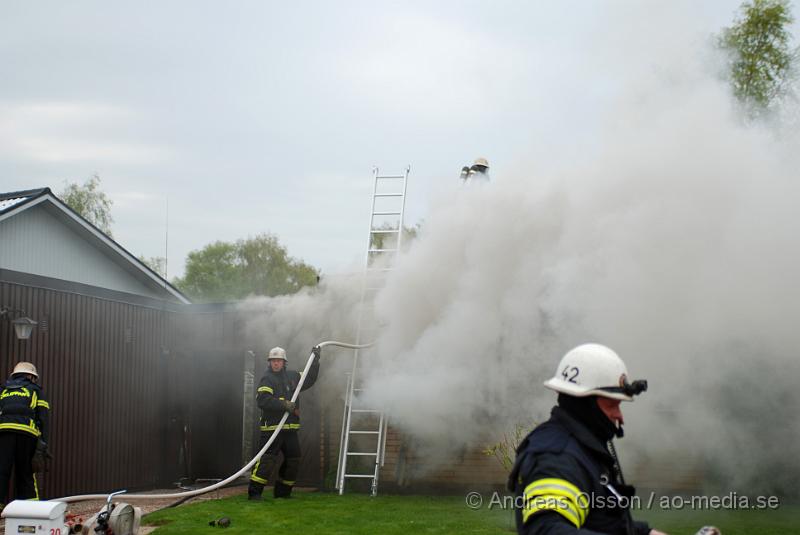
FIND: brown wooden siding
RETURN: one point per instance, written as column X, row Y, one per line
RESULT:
column 140, row 396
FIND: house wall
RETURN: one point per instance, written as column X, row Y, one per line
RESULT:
column 36, row 241
column 140, row 396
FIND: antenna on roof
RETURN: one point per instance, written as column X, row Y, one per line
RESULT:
column 166, row 246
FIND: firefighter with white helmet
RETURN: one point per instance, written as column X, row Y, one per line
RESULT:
column 478, row 172
column 24, row 431
column 566, row 470
column 274, row 399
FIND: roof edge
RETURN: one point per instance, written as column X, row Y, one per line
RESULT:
column 45, row 194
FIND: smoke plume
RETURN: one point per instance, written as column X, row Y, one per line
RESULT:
column 670, row 236
column 675, row 244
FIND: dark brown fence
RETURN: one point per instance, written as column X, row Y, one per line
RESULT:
column 141, row 396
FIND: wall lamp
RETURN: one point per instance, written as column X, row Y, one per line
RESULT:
column 23, row 325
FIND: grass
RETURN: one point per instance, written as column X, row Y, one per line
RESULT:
column 783, row 521
column 330, row 514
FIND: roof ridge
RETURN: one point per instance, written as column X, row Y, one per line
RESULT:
column 24, row 193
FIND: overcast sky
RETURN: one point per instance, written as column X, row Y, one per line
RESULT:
column 268, row 116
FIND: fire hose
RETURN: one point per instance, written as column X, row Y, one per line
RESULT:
column 245, row 468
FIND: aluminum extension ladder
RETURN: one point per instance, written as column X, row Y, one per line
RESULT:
column 361, row 425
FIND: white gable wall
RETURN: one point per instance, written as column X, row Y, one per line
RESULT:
column 35, row 241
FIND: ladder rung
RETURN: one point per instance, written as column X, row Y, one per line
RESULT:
column 359, row 453
column 386, row 213
column 388, row 194
column 382, row 251
column 390, row 176
column 365, row 410
column 370, row 476
column 364, row 432
column 389, row 231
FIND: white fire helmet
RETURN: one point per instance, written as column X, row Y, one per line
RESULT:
column 25, row 367
column 481, row 161
column 277, row 353
column 594, row 370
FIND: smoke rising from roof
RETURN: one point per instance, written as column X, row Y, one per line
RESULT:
column 675, row 244
column 668, row 234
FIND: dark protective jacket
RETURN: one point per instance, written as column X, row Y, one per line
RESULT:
column 23, row 408
column 564, row 480
column 275, row 387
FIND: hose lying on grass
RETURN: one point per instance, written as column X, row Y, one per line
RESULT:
column 183, row 496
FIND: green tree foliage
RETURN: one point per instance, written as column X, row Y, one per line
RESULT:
column 505, row 449
column 389, row 240
column 224, row 271
column 761, row 59
column 90, row 202
column 156, row 263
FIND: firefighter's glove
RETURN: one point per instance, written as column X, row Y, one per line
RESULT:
column 39, row 457
column 288, row 406
column 42, row 446
column 317, row 351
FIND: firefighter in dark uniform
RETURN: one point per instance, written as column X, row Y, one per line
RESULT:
column 566, row 476
column 23, row 432
column 274, row 399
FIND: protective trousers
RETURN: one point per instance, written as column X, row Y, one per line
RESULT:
column 16, row 451
column 288, row 443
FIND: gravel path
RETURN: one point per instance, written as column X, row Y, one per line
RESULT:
column 88, row 508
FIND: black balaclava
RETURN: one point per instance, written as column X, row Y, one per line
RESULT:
column 586, row 411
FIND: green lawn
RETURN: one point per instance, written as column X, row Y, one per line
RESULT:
column 783, row 521
column 328, row 514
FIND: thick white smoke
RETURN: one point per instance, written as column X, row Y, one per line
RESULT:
column 676, row 244
column 669, row 234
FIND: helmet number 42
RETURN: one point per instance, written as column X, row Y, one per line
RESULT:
column 570, row 370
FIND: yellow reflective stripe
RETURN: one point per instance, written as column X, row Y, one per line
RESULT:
column 21, row 427
column 554, row 492
column 550, row 484
column 43, row 403
column 34, row 399
column 290, row 483
column 551, row 487
column 554, row 503
column 8, row 393
column 265, row 389
column 254, row 477
column 274, row 427
column 35, row 488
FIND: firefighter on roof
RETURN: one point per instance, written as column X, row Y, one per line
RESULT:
column 273, row 397
column 478, row 172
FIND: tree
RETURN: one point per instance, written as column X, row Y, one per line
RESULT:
column 224, row 271
column 388, row 240
column 156, row 263
column 761, row 60
column 90, row 202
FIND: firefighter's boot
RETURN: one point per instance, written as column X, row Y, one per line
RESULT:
column 282, row 489
column 254, row 491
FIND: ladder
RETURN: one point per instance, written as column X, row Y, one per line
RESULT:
column 364, row 429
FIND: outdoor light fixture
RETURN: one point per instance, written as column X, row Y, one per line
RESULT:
column 23, row 325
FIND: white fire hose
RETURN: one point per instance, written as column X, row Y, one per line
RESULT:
column 245, row 468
